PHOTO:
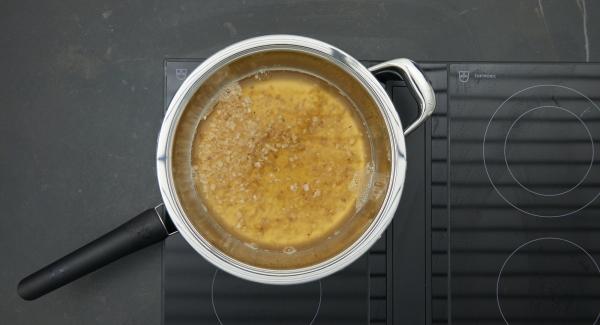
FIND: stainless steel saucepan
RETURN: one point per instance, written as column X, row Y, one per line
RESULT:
column 185, row 212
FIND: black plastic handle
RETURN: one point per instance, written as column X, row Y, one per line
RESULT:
column 145, row 229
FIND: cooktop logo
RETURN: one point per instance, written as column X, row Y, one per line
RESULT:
column 463, row 76
column 181, row 74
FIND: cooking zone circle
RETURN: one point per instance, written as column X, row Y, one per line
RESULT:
column 539, row 153
column 529, row 112
column 551, row 279
column 262, row 303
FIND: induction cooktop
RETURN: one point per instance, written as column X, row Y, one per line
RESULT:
column 499, row 221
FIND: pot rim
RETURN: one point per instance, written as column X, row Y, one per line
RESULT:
column 213, row 254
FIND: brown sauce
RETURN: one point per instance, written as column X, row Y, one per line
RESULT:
column 281, row 159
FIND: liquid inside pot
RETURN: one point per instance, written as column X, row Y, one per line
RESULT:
column 281, row 159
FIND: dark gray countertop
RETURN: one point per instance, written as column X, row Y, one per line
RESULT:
column 82, row 97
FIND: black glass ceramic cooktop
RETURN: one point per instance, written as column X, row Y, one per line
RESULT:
column 498, row 224
column 515, row 221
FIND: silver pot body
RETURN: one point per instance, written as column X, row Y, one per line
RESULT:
column 387, row 183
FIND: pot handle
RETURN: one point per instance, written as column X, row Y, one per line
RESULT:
column 145, row 229
column 418, row 85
